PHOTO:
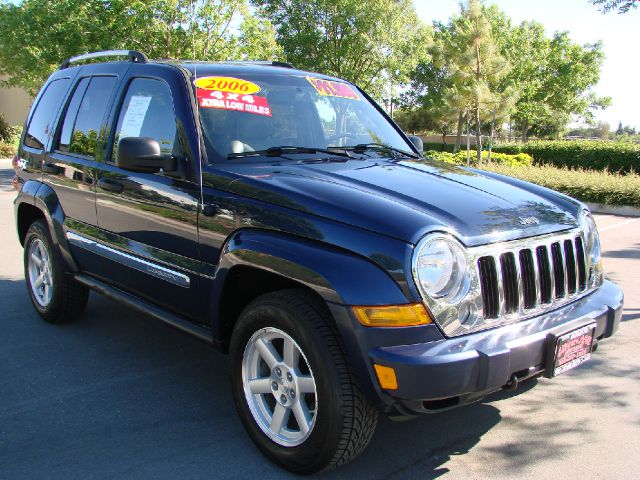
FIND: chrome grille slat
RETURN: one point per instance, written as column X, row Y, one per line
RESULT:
column 559, row 272
column 509, row 283
column 570, row 267
column 501, row 300
column 545, row 275
column 581, row 262
column 534, row 275
column 489, row 287
column 516, row 262
column 529, row 298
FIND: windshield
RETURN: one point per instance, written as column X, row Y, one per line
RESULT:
column 258, row 112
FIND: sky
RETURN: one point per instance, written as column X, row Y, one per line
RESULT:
column 620, row 35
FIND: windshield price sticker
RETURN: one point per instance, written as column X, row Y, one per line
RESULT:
column 226, row 84
column 328, row 88
column 234, row 101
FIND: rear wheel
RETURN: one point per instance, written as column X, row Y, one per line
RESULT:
column 55, row 296
column 293, row 387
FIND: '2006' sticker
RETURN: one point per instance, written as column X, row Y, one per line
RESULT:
column 329, row 88
column 227, row 84
column 229, row 93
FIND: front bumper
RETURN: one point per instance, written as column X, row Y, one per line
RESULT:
column 449, row 372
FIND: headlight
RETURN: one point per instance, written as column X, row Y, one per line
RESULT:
column 440, row 267
column 592, row 247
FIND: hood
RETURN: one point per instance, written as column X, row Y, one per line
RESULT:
column 405, row 200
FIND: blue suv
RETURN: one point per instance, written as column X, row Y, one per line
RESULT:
column 281, row 216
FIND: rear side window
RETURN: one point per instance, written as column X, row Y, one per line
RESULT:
column 85, row 115
column 41, row 123
column 71, row 114
column 147, row 111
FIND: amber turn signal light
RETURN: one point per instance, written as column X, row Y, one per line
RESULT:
column 386, row 377
column 392, row 315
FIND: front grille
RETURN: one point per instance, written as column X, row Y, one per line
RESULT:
column 530, row 277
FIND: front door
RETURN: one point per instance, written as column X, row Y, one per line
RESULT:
column 148, row 221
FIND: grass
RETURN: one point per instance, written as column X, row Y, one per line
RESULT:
column 585, row 185
column 9, row 149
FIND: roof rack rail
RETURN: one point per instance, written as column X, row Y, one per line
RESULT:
column 133, row 55
column 273, row 63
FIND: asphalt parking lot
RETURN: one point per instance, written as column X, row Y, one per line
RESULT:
column 119, row 395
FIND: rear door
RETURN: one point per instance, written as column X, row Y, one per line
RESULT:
column 149, row 220
column 71, row 166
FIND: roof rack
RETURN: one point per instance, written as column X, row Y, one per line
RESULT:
column 133, row 55
column 273, row 63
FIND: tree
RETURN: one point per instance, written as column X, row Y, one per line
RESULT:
column 39, row 34
column 476, row 64
column 622, row 6
column 370, row 43
column 553, row 76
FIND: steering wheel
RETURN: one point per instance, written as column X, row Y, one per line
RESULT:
column 338, row 136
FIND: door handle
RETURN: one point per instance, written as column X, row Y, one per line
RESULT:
column 51, row 168
column 110, row 185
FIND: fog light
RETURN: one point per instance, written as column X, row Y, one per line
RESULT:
column 386, row 377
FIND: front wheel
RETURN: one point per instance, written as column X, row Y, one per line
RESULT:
column 293, row 387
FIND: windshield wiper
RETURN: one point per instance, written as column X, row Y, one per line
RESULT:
column 287, row 149
column 363, row 147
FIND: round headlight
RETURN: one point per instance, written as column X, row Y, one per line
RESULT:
column 440, row 267
column 591, row 237
column 592, row 249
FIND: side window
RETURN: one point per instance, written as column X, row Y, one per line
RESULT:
column 44, row 114
column 71, row 114
column 147, row 111
column 90, row 114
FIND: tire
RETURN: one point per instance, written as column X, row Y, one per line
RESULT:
column 58, row 299
column 340, row 419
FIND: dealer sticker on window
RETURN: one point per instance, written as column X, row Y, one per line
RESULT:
column 234, row 101
column 329, row 88
column 227, row 84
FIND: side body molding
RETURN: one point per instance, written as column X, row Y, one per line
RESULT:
column 43, row 197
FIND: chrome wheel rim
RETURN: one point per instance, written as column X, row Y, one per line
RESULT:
column 39, row 269
column 279, row 387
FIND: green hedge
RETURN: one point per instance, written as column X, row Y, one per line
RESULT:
column 586, row 185
column 593, row 155
column 440, row 147
column 7, row 150
column 460, row 158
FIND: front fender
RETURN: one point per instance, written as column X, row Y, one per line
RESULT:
column 338, row 276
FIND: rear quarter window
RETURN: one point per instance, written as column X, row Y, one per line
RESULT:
column 41, row 123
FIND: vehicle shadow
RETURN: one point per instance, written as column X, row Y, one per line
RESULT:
column 120, row 395
column 6, row 175
column 632, row 251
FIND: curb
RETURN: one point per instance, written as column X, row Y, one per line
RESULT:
column 622, row 210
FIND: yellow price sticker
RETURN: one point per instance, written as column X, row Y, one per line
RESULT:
column 227, row 84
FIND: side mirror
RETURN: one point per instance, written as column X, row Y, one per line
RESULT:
column 143, row 154
column 417, row 142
